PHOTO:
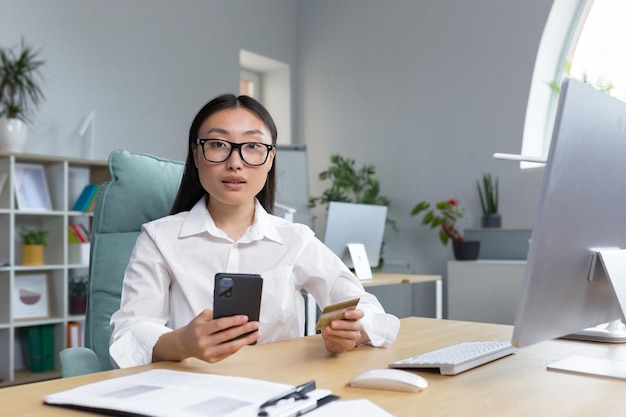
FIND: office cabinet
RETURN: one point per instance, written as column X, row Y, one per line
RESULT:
column 484, row 291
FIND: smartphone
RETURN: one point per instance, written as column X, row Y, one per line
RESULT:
column 237, row 294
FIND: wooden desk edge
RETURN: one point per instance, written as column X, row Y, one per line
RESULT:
column 382, row 278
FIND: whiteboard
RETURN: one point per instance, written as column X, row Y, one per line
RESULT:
column 292, row 182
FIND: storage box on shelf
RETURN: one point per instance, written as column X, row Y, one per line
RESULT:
column 65, row 179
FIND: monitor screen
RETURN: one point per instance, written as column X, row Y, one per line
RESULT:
column 355, row 223
column 582, row 208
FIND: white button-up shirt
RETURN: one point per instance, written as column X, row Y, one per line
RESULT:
column 170, row 278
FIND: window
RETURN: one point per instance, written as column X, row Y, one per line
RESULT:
column 582, row 39
column 250, row 84
column 268, row 81
column 598, row 57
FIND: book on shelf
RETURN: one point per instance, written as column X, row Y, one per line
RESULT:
column 87, row 197
column 77, row 234
column 92, row 202
column 74, row 338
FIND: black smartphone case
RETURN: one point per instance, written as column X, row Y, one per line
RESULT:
column 237, row 294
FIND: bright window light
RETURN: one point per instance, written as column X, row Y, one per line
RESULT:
column 583, row 39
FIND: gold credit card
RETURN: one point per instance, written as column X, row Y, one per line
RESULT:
column 335, row 312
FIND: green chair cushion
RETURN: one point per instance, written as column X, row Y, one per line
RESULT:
column 142, row 188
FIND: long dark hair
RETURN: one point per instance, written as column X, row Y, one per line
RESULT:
column 191, row 190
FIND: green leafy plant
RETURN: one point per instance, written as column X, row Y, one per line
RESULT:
column 352, row 185
column 78, row 286
column 443, row 216
column 598, row 83
column 20, row 78
column 37, row 236
column 488, row 193
column 349, row 184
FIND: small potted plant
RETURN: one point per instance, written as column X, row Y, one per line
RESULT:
column 77, row 294
column 20, row 93
column 33, row 243
column 444, row 216
column 488, row 193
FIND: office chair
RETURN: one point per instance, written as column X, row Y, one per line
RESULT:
column 142, row 188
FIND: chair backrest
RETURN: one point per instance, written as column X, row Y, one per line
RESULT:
column 142, row 188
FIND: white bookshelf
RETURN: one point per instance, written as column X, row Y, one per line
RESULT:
column 65, row 178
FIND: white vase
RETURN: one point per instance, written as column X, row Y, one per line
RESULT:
column 13, row 134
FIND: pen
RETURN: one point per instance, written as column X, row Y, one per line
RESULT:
column 297, row 393
column 300, row 407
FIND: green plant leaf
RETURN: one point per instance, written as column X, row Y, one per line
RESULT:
column 20, row 79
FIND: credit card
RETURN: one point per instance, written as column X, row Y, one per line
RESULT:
column 335, row 312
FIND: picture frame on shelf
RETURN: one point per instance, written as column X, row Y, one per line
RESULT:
column 30, row 296
column 31, row 187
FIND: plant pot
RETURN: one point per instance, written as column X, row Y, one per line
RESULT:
column 466, row 250
column 32, row 254
column 13, row 134
column 78, row 305
column 491, row 220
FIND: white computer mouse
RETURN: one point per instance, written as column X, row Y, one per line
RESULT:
column 389, row 379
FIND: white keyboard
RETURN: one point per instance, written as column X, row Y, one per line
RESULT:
column 458, row 358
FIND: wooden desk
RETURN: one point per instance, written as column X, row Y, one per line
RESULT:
column 517, row 385
column 383, row 278
column 397, row 294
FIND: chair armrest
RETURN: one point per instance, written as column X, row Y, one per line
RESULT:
column 78, row 361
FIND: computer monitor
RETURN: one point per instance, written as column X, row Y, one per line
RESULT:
column 573, row 278
column 348, row 223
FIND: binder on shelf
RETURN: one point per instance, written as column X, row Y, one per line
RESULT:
column 73, row 334
column 31, row 344
column 85, row 197
column 38, row 347
column 46, row 333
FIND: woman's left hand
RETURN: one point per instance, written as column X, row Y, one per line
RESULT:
column 346, row 334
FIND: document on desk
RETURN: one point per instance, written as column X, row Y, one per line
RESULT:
column 360, row 407
column 165, row 393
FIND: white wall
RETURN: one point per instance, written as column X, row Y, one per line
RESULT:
column 427, row 91
column 145, row 66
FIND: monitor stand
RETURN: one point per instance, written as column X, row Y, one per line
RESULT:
column 611, row 332
column 360, row 262
column 608, row 264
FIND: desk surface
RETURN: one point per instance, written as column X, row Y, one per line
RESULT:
column 382, row 278
column 515, row 385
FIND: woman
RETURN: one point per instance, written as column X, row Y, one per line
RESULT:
column 221, row 222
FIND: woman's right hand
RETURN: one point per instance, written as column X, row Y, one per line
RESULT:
column 211, row 340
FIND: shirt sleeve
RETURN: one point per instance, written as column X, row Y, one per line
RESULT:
column 144, row 307
column 327, row 278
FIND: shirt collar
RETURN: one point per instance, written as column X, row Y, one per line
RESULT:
column 198, row 220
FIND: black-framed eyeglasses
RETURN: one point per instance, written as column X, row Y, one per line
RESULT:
column 219, row 150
